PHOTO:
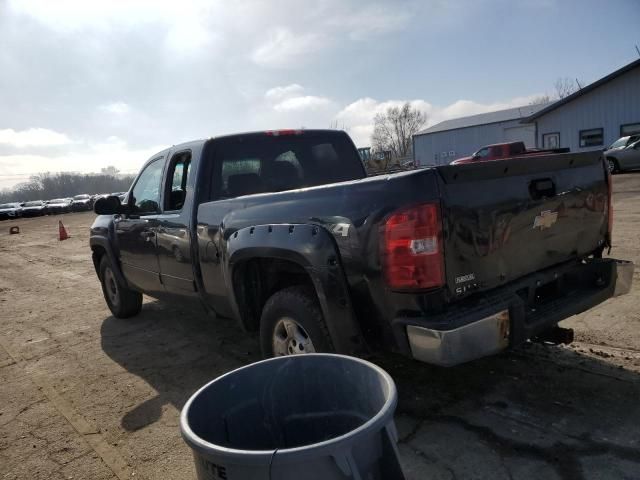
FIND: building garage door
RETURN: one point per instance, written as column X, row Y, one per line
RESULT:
column 525, row 133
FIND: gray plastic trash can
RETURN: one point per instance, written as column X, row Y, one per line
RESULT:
column 316, row 416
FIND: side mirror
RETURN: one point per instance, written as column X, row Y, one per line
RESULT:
column 108, row 206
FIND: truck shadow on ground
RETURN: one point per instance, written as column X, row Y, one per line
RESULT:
column 540, row 404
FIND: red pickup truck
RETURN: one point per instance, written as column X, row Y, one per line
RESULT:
column 501, row 151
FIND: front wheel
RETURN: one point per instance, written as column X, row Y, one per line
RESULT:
column 122, row 302
column 292, row 324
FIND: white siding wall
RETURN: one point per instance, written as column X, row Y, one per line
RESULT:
column 613, row 104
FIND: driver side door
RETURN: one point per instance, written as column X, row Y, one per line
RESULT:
column 137, row 229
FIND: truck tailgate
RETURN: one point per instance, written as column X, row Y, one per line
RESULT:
column 508, row 218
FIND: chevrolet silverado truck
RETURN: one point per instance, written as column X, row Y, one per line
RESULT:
column 284, row 232
column 501, row 151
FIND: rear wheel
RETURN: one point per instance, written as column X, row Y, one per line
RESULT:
column 612, row 163
column 292, row 324
column 122, row 302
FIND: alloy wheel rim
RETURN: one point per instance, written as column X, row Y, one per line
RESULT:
column 290, row 338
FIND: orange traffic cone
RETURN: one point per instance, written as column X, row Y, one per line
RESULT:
column 62, row 232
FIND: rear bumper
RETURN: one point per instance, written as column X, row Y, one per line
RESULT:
column 510, row 315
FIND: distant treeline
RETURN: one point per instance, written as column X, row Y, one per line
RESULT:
column 46, row 186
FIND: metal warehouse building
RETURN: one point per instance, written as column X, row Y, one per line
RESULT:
column 591, row 118
column 460, row 137
column 595, row 116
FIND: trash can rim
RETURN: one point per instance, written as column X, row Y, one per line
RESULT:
column 204, row 446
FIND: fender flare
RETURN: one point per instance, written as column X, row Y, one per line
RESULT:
column 314, row 249
column 104, row 240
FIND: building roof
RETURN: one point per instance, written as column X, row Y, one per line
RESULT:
column 484, row 118
column 583, row 91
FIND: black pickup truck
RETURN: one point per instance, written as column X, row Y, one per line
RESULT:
column 284, row 231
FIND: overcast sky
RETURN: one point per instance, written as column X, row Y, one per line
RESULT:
column 89, row 83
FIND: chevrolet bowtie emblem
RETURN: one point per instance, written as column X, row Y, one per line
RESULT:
column 545, row 220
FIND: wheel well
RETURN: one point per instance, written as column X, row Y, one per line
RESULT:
column 255, row 280
column 97, row 252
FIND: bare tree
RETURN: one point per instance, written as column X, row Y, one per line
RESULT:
column 564, row 87
column 393, row 130
column 540, row 100
column 110, row 170
column 44, row 186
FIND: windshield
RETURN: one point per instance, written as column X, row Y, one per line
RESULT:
column 621, row 142
column 81, row 197
column 8, row 205
column 58, row 200
column 33, row 204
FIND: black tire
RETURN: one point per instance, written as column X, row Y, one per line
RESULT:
column 122, row 302
column 614, row 168
column 298, row 303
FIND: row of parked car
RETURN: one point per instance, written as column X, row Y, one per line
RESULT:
column 37, row 208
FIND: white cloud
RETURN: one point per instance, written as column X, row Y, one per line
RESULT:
column 283, row 48
column 71, row 15
column 366, row 21
column 279, row 93
column 33, row 137
column 113, row 151
column 307, row 102
column 183, row 27
column 117, row 108
column 291, row 98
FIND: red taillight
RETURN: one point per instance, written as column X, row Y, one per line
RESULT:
column 413, row 256
column 280, row 133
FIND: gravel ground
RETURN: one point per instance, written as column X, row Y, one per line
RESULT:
column 88, row 396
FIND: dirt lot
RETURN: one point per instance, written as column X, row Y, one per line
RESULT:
column 86, row 396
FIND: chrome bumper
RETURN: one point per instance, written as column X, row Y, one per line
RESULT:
column 488, row 335
column 450, row 347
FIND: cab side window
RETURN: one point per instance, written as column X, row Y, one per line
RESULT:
column 483, row 152
column 145, row 196
column 177, row 176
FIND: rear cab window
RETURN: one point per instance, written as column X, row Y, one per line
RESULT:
column 272, row 162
